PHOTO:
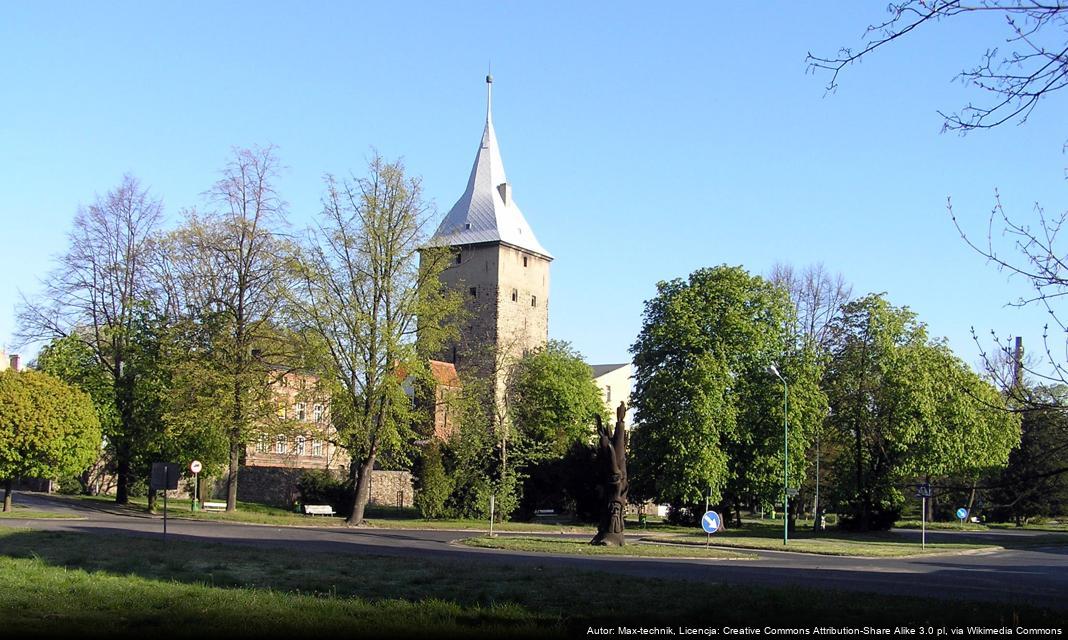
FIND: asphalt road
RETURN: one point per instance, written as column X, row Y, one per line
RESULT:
column 1035, row 575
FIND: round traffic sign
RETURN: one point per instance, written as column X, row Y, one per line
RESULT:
column 962, row 513
column 710, row 522
column 195, row 466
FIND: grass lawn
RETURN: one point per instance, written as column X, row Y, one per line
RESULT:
column 764, row 534
column 17, row 512
column 583, row 548
column 1049, row 526
column 57, row 583
column 942, row 526
column 384, row 517
column 869, row 546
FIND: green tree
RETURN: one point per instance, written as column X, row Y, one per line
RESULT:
column 101, row 284
column 224, row 277
column 1034, row 482
column 904, row 408
column 433, row 486
column 364, row 291
column 470, row 455
column 553, row 400
column 47, row 428
column 708, row 416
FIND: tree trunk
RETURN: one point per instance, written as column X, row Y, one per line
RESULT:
column 612, row 455
column 153, row 498
column 7, row 495
column 122, row 486
column 124, row 403
column 231, row 475
column 362, row 489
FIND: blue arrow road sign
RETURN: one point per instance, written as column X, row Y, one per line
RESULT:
column 962, row 513
column 710, row 522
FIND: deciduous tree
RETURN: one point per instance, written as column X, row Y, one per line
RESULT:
column 94, row 295
column 224, row 274
column 362, row 295
column 708, row 416
column 904, row 407
column 47, row 428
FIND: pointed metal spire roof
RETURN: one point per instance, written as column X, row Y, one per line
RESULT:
column 486, row 211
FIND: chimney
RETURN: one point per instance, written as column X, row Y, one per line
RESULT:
column 505, row 190
column 15, row 361
column 1017, row 364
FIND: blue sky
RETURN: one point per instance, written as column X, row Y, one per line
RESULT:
column 643, row 140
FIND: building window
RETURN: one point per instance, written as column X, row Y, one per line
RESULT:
column 608, row 393
column 317, row 412
column 524, row 261
column 458, row 258
column 317, row 447
column 515, row 295
column 300, row 445
column 280, row 444
column 474, row 292
column 533, row 301
column 261, row 443
column 301, row 413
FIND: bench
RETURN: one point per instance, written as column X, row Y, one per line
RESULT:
column 318, row 510
column 214, row 506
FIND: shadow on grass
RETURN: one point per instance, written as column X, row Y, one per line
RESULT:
column 520, row 593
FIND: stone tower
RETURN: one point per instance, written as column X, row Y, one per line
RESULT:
column 498, row 265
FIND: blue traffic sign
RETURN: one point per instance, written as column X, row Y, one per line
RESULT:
column 710, row 522
column 962, row 513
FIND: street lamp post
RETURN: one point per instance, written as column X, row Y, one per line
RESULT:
column 785, row 457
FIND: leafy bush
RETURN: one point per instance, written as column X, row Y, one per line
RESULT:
column 432, row 485
column 322, row 487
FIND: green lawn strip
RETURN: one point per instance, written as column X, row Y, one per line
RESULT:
column 583, row 548
column 869, row 546
column 22, row 513
column 941, row 526
column 1054, row 527
column 62, row 582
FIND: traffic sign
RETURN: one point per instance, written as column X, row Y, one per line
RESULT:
column 710, row 522
column 962, row 513
column 164, row 476
column 924, row 490
column 195, row 466
column 792, row 492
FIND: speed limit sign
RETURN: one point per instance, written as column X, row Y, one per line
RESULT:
column 195, row 466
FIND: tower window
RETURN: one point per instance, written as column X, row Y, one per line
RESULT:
column 524, row 261
column 533, row 301
column 474, row 292
column 515, row 295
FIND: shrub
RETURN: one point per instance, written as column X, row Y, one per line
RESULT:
column 317, row 486
column 433, row 486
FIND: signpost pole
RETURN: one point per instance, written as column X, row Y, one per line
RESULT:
column 708, row 536
column 195, row 467
column 711, row 523
column 923, row 524
column 165, row 474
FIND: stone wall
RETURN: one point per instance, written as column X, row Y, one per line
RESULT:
column 277, row 486
column 392, row 489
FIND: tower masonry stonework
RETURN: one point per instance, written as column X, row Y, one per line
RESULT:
column 498, row 265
